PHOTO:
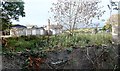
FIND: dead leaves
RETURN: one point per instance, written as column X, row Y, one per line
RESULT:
column 35, row 63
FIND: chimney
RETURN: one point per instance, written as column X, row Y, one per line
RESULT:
column 48, row 25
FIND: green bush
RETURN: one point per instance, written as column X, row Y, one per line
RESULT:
column 63, row 40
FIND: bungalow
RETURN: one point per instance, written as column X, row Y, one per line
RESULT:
column 34, row 30
column 18, row 30
column 40, row 31
column 56, row 29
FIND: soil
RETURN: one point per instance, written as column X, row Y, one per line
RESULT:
column 90, row 57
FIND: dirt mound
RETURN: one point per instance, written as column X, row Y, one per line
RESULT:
column 91, row 57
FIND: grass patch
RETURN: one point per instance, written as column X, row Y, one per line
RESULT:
column 63, row 41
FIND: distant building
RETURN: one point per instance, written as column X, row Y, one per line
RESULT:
column 40, row 31
column 18, row 30
column 56, row 29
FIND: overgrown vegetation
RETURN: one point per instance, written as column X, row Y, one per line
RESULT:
column 95, row 48
column 60, row 41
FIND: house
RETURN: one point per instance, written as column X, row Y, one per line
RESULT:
column 40, row 31
column 34, row 30
column 55, row 29
column 18, row 30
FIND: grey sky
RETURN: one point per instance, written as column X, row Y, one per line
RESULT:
column 37, row 12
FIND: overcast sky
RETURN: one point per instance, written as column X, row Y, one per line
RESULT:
column 37, row 12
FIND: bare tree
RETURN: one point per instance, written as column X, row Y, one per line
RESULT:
column 70, row 13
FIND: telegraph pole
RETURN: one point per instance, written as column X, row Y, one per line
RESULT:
column 48, row 26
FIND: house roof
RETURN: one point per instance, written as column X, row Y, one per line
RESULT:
column 40, row 28
column 19, row 26
column 31, row 26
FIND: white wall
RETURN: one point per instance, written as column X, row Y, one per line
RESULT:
column 28, row 32
column 33, row 31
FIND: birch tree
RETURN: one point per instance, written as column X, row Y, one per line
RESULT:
column 70, row 13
